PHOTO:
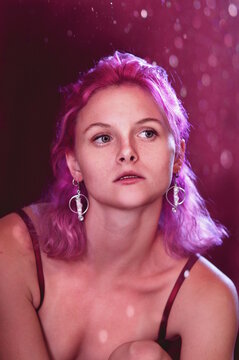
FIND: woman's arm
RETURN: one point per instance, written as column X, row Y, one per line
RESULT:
column 209, row 323
column 21, row 336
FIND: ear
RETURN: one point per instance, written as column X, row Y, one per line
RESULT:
column 179, row 160
column 73, row 166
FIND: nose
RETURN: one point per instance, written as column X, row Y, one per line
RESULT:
column 127, row 154
column 132, row 158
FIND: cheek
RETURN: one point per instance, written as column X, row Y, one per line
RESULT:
column 170, row 162
column 93, row 168
column 171, row 151
column 163, row 156
column 163, row 164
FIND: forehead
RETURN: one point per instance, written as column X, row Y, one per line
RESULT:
column 129, row 100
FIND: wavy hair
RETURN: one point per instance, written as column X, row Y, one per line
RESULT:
column 190, row 229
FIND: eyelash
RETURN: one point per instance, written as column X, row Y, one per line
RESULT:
column 154, row 132
column 97, row 137
column 100, row 136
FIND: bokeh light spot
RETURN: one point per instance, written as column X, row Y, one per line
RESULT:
column 178, row 42
column 130, row 311
column 183, row 91
column 197, row 4
column 173, row 61
column 207, row 11
column 186, row 274
column 211, row 4
column 206, row 80
column 103, row 336
column 232, row 9
column 127, row 28
column 226, row 159
column 144, row 13
column 177, row 26
column 212, row 60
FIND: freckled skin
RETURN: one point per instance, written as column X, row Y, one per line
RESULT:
column 121, row 107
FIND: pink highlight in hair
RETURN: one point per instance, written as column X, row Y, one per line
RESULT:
column 190, row 229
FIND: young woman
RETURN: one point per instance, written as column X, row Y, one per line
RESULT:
column 109, row 267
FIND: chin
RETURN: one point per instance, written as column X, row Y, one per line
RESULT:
column 133, row 201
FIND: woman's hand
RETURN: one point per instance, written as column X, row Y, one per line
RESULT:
column 139, row 350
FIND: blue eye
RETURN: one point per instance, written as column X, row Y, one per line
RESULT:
column 102, row 139
column 148, row 134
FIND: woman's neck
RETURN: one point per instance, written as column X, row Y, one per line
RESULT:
column 121, row 241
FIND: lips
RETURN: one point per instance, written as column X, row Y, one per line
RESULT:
column 128, row 175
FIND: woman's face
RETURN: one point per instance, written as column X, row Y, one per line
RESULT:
column 124, row 150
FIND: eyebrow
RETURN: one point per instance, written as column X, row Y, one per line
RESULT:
column 142, row 121
column 158, row 121
column 97, row 124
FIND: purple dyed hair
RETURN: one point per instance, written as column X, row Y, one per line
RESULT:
column 190, row 229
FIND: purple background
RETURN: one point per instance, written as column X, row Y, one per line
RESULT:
column 45, row 44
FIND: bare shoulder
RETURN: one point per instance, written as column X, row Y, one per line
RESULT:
column 20, row 330
column 211, row 272
column 13, row 231
column 13, row 234
column 208, row 320
column 17, row 257
column 212, row 286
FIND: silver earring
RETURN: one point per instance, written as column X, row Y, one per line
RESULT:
column 79, row 207
column 176, row 201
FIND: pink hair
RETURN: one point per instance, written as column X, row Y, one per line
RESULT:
column 190, row 229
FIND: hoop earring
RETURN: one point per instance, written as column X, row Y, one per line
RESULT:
column 176, row 202
column 78, row 202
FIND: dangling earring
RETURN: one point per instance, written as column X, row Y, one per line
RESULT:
column 77, row 199
column 176, row 189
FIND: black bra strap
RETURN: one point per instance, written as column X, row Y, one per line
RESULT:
column 37, row 252
column 182, row 276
